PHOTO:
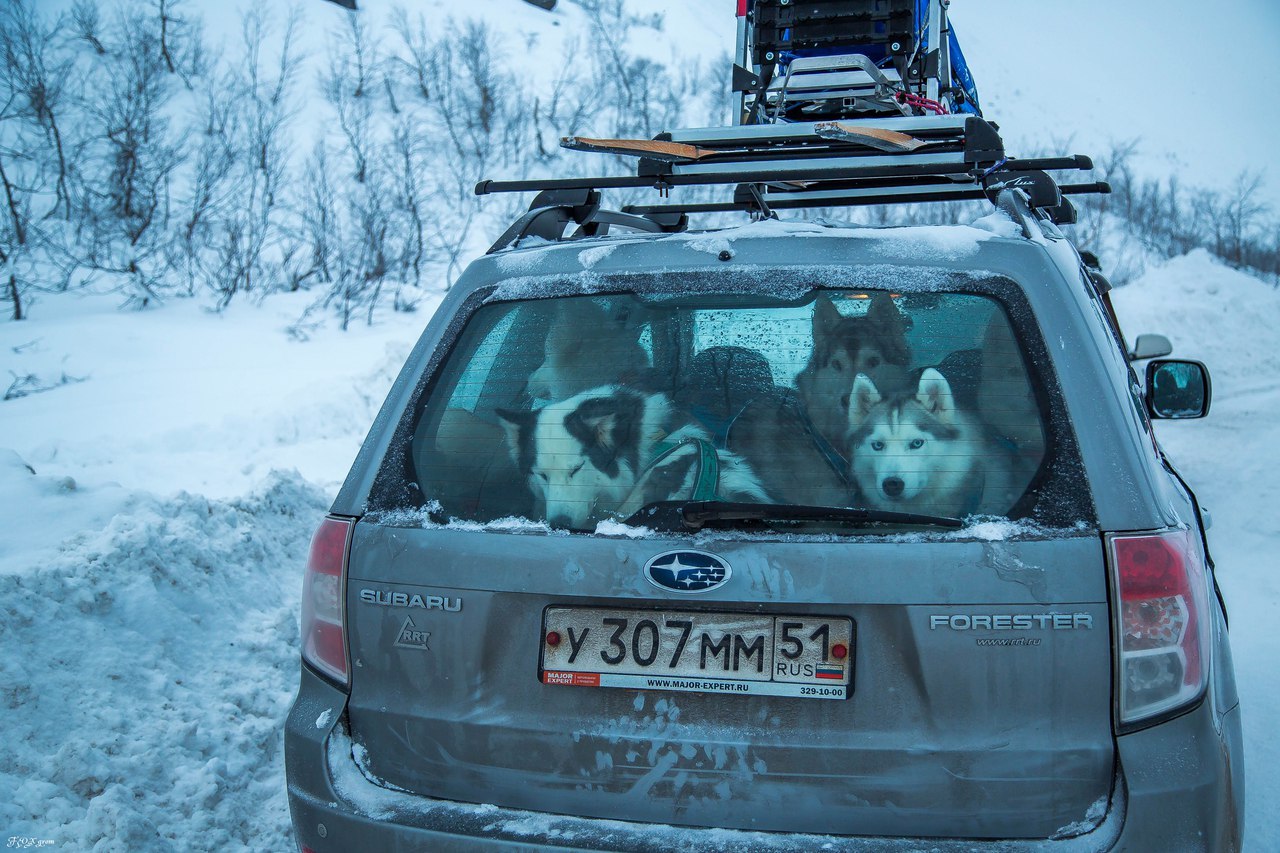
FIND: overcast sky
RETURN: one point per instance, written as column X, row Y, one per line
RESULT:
column 1197, row 80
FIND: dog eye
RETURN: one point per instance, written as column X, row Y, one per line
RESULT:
column 576, row 470
column 544, row 477
column 877, row 445
column 873, row 361
column 837, row 364
column 916, row 444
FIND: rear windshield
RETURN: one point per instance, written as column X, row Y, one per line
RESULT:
column 574, row 410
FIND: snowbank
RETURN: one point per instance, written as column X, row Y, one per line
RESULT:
column 1210, row 312
column 149, row 663
column 150, row 559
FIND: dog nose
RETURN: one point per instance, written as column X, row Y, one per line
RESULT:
column 893, row 486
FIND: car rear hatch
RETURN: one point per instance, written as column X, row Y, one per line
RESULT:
column 979, row 698
column 819, row 674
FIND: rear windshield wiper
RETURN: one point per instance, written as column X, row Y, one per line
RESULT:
column 696, row 514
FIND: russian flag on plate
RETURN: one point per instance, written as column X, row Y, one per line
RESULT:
column 836, row 672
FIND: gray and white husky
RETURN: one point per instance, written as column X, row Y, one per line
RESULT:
column 843, row 347
column 794, row 441
column 915, row 451
column 609, row 451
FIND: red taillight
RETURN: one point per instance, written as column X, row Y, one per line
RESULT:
column 1162, row 622
column 324, row 644
column 742, row 8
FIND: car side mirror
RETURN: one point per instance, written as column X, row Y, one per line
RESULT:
column 1177, row 389
column 1150, row 346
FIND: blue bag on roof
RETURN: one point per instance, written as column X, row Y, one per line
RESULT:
column 881, row 30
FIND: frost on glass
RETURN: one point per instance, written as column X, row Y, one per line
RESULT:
column 570, row 411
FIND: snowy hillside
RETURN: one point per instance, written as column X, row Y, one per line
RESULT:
column 162, row 470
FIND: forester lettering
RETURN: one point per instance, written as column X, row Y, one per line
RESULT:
column 1012, row 621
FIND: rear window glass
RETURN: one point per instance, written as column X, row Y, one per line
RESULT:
column 575, row 410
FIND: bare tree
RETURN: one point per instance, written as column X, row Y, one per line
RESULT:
column 15, row 244
column 355, row 240
column 211, row 193
column 34, row 77
column 263, row 81
column 410, row 198
column 418, row 59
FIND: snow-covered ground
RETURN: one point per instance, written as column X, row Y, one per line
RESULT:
column 158, row 510
column 155, row 511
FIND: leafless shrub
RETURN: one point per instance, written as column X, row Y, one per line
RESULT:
column 130, row 152
column 34, row 163
column 1161, row 217
column 250, row 231
column 26, row 384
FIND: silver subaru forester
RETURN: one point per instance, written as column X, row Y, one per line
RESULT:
column 782, row 537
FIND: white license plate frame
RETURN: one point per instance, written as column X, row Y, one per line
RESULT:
column 722, row 652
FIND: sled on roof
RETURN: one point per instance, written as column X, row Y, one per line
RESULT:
column 806, row 60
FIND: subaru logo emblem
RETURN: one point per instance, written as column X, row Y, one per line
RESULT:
column 687, row 571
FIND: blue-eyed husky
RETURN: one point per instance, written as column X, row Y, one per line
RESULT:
column 609, row 451
column 916, row 451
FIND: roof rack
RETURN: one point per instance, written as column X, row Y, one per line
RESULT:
column 800, row 165
column 870, row 70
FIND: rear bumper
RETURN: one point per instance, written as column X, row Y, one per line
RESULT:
column 1179, row 789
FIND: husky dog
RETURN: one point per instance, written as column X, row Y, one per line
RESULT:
column 843, row 347
column 611, row 450
column 795, row 441
column 917, row 452
column 586, row 348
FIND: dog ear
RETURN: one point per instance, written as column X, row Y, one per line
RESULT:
column 601, row 429
column 863, row 399
column 882, row 310
column 891, row 328
column 826, row 319
column 608, row 428
column 935, row 395
column 519, row 427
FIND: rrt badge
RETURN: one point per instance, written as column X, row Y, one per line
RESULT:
column 410, row 637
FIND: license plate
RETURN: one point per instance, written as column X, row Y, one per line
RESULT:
column 741, row 654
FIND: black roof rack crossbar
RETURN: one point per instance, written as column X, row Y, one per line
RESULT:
column 847, row 197
column 790, row 165
column 798, row 173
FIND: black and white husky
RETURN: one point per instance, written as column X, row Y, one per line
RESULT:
column 915, row 451
column 611, row 450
